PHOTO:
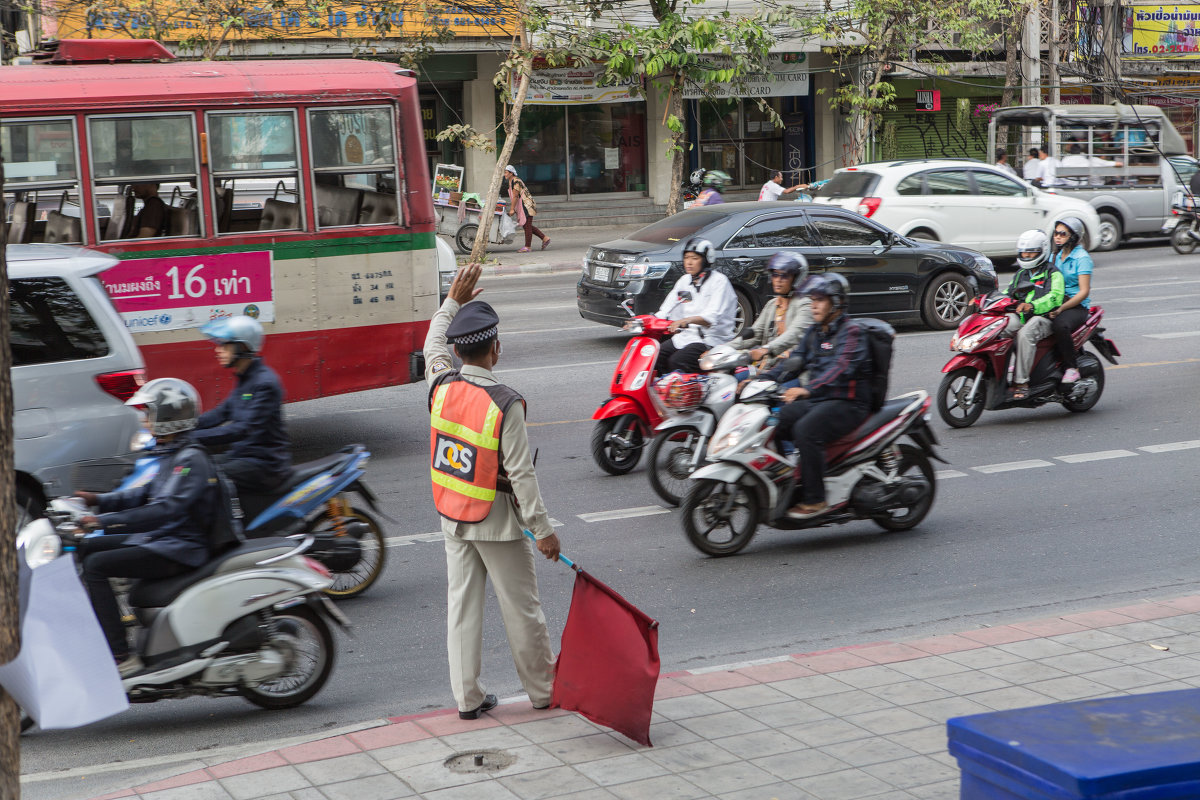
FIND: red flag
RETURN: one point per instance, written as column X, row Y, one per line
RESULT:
column 608, row 664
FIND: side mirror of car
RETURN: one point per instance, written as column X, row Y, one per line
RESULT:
column 890, row 240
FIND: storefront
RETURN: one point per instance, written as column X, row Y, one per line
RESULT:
column 959, row 129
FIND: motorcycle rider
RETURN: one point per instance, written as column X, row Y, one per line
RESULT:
column 714, row 181
column 1038, row 287
column 837, row 397
column 157, row 530
column 703, row 297
column 250, row 419
column 1076, row 267
column 785, row 317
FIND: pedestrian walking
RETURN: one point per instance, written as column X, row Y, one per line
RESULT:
column 486, row 492
column 524, row 207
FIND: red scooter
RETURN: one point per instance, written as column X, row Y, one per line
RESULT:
column 977, row 376
column 628, row 417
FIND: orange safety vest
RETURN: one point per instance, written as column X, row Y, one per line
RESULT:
column 464, row 445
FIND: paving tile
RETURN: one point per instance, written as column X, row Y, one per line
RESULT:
column 1079, row 663
column 175, row 781
column 622, row 769
column 928, row 667
column 773, row 791
column 983, row 658
column 432, row 777
column 487, row 790
column 801, row 764
column 911, row 772
column 308, row 794
column 945, row 790
column 848, row 784
column 1098, row 619
column 1070, row 688
column 867, row 751
column 1036, row 648
column 589, row 794
column 669, row 734
column 759, row 744
column 516, row 713
column 531, row 758
column 942, row 710
column 500, row 738
column 812, row 686
column 1140, row 631
column 889, row 653
column 264, row 782
column 857, row 701
column 342, row 768
column 549, row 730
column 666, row 787
column 373, row 787
column 546, row 783
column 669, row 687
column 1012, row 697
column 1132, row 653
column 1025, row 672
column 1175, row 667
column 730, row 778
column 909, row 691
column 781, row 715
column 244, row 765
column 712, row 681
column 1090, row 639
column 1190, row 604
column 697, row 755
column 750, row 696
column 825, row 731
column 1169, row 686
column 117, row 795
column 1001, row 634
column 930, row 739
column 589, row 748
column 776, row 671
column 868, row 677
column 961, row 683
column 890, row 720
column 938, row 645
column 1049, row 627
column 423, row 751
column 728, row 723
column 698, row 705
column 1180, row 645
column 198, row 791
column 316, row 751
column 832, row 662
column 1124, row 677
column 446, row 724
column 1189, row 623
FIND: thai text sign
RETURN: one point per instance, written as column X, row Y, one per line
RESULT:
column 1162, row 32
column 164, row 294
column 567, row 86
column 292, row 19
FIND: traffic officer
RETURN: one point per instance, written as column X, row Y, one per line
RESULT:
column 486, row 491
column 250, row 420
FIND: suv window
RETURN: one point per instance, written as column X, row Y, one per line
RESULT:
column 948, row 181
column 849, row 184
column 993, row 185
column 679, row 227
column 910, row 185
column 777, row 232
column 843, row 232
column 50, row 323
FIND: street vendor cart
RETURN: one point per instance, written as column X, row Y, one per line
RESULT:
column 460, row 220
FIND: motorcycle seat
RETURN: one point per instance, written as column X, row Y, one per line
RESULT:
column 254, row 503
column 890, row 411
column 148, row 593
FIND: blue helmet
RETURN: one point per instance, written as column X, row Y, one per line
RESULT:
column 242, row 330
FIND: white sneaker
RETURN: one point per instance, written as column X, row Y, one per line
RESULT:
column 1071, row 376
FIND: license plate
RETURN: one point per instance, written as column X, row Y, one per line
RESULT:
column 602, row 274
column 1170, row 225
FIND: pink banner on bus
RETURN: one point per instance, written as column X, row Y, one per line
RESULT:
column 162, row 294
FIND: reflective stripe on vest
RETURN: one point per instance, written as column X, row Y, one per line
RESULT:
column 464, row 450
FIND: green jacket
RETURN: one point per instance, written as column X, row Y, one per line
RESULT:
column 1043, row 287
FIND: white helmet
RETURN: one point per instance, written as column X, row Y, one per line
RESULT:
column 1031, row 241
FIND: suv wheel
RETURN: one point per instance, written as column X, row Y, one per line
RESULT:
column 946, row 301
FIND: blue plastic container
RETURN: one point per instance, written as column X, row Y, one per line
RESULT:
column 1142, row 747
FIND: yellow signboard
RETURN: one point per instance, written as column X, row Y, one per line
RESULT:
column 295, row 19
column 1162, row 32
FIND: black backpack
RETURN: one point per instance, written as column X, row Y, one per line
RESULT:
column 880, row 338
column 226, row 531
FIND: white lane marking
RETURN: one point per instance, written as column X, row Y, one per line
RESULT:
column 1158, row 299
column 1176, row 335
column 555, row 330
column 1148, row 316
column 1009, row 466
column 623, row 513
column 610, row 362
column 436, row 536
column 1106, row 287
column 293, row 415
column 1171, row 447
column 943, row 474
column 1099, row 455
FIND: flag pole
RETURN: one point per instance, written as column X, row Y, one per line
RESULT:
column 561, row 557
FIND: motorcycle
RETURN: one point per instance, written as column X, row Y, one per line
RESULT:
column 1183, row 226
column 252, row 621
column 690, row 189
column 681, row 439
column 347, row 539
column 749, row 480
column 977, row 376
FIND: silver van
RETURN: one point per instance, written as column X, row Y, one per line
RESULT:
column 74, row 365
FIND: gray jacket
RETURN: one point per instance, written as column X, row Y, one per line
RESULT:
column 796, row 321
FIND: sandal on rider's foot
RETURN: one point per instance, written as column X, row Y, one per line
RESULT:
column 802, row 510
column 1020, row 393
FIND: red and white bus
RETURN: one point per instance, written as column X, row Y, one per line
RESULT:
column 293, row 191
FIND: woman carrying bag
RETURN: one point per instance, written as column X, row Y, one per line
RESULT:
column 525, row 208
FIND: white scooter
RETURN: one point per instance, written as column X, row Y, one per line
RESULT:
column 253, row 621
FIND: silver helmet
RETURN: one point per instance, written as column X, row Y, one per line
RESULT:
column 172, row 405
column 1033, row 241
column 241, row 329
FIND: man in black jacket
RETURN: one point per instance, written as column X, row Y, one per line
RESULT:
column 250, row 420
column 837, row 397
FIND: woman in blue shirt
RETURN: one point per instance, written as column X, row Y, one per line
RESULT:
column 1076, row 267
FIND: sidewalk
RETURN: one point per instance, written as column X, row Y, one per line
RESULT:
column 857, row 722
column 565, row 253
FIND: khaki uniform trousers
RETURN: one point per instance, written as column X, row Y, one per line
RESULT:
column 511, row 567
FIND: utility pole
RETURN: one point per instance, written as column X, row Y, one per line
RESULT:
column 1031, row 56
column 1110, row 51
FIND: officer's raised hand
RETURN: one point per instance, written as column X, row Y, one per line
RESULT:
column 462, row 289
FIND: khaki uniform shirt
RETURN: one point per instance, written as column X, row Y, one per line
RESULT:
column 506, row 520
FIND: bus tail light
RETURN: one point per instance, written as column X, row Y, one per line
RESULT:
column 869, row 205
column 122, row 385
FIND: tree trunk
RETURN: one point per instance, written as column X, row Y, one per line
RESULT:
column 10, row 634
column 512, row 121
column 678, row 145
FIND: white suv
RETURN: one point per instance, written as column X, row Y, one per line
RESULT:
column 960, row 202
column 74, row 365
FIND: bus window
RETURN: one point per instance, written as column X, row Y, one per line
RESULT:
column 353, row 154
column 255, row 171
column 144, row 175
column 41, row 190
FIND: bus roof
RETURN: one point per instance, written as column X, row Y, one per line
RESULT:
column 67, row 88
column 1096, row 114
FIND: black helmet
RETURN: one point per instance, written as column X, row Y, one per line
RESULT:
column 172, row 405
column 703, row 248
column 831, row 285
column 1075, row 226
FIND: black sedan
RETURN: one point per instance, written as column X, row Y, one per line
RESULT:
column 891, row 277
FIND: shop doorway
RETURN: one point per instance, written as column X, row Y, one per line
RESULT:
column 734, row 135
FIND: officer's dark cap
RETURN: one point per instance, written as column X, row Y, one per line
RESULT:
column 475, row 322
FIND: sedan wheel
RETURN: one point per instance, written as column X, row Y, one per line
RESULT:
column 946, row 302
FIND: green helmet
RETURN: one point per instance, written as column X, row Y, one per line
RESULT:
column 718, row 179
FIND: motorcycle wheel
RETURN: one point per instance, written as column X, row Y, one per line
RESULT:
column 670, row 463
column 703, row 520
column 951, row 398
column 617, row 459
column 1181, row 241
column 903, row 519
column 1089, row 401
column 306, row 642
column 373, row 544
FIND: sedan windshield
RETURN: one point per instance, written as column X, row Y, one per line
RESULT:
column 679, row 227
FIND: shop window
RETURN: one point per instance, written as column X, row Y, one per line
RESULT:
column 353, row 153
column 255, row 171
column 740, row 138
column 41, row 188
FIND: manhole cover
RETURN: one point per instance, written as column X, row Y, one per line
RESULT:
column 480, row 761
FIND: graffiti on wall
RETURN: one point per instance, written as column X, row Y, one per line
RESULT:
column 920, row 134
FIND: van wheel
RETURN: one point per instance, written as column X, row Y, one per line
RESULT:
column 946, row 301
column 923, row 235
column 1111, row 232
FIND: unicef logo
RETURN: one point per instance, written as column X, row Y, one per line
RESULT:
column 251, row 311
column 164, row 319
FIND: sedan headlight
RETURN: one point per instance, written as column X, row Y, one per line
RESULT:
column 968, row 343
column 985, row 265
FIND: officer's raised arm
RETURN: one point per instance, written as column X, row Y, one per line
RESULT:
column 438, row 358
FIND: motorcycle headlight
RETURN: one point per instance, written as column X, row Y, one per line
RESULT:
column 40, row 542
column 966, row 344
column 736, row 425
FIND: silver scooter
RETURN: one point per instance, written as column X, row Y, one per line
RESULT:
column 253, row 621
column 681, row 440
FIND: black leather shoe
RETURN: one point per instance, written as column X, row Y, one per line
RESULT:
column 489, row 702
